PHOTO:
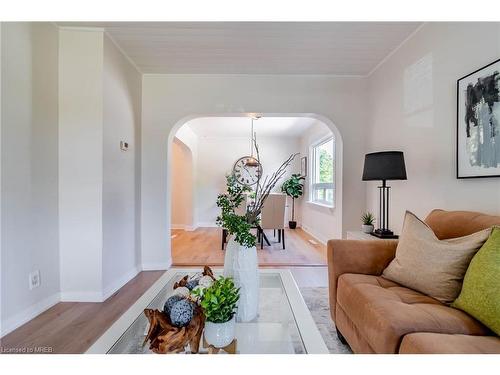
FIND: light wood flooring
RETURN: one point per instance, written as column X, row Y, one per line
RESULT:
column 203, row 247
column 72, row 327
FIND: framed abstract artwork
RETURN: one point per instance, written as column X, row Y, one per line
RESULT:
column 478, row 123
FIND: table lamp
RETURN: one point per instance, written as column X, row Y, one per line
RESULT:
column 385, row 165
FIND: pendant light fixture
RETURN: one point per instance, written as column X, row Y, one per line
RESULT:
column 252, row 161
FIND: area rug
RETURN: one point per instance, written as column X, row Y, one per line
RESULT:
column 317, row 301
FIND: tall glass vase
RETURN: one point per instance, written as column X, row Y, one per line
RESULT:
column 241, row 264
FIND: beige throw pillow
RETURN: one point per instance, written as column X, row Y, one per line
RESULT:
column 429, row 265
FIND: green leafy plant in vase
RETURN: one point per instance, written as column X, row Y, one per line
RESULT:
column 240, row 220
column 219, row 304
column 367, row 220
column 294, row 188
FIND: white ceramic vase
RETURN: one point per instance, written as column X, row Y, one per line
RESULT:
column 241, row 264
column 367, row 228
column 220, row 335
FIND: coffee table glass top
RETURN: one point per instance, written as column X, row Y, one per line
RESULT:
column 274, row 331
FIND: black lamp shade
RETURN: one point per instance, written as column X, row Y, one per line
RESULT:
column 385, row 165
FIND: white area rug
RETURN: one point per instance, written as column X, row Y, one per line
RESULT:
column 317, row 301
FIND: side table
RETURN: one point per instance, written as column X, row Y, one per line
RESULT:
column 359, row 235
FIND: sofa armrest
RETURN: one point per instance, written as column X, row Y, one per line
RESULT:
column 356, row 256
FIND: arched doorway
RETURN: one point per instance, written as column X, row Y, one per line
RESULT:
column 328, row 219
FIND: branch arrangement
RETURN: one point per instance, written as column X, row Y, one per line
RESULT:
column 241, row 225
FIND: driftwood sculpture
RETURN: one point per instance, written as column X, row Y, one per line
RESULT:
column 181, row 282
column 207, row 271
column 165, row 338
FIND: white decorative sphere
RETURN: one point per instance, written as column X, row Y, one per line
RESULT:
column 205, row 282
column 181, row 291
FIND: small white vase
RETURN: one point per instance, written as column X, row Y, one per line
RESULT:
column 220, row 335
column 241, row 264
column 367, row 228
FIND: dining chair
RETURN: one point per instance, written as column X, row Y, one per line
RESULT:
column 273, row 217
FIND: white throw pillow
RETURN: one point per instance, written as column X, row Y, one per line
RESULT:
column 429, row 265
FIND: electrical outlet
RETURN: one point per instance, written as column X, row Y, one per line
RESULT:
column 34, row 279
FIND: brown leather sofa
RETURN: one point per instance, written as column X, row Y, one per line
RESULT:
column 375, row 315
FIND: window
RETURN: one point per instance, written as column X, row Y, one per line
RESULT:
column 322, row 189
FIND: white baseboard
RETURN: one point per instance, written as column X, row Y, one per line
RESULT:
column 177, row 226
column 318, row 236
column 81, row 296
column 111, row 289
column 36, row 309
column 27, row 314
column 187, row 228
column 156, row 266
column 206, row 224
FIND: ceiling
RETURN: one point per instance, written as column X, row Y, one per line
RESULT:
column 241, row 126
column 337, row 48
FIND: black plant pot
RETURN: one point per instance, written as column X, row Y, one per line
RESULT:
column 292, row 224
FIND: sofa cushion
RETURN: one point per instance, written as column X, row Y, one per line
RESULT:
column 452, row 224
column 480, row 295
column 438, row 343
column 429, row 265
column 384, row 311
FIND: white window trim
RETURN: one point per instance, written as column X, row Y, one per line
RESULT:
column 323, row 204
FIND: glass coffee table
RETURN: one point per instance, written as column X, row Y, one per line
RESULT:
column 284, row 324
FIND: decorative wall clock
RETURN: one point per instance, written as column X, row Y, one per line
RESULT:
column 247, row 174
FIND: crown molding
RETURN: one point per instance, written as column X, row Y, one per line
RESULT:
column 390, row 54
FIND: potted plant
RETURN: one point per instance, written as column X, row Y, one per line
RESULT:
column 219, row 303
column 294, row 188
column 241, row 261
column 367, row 221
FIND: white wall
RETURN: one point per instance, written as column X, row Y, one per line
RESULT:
column 426, row 129
column 216, row 157
column 170, row 100
column 120, row 201
column 81, row 163
column 322, row 222
column 29, row 170
column 189, row 139
column 182, row 189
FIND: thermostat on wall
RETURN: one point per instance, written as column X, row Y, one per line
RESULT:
column 123, row 146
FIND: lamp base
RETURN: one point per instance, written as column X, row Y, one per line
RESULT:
column 384, row 233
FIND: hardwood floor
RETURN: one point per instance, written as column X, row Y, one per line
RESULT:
column 72, row 327
column 203, row 246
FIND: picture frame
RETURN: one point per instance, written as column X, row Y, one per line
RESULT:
column 303, row 166
column 478, row 123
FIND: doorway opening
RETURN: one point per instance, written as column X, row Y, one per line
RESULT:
column 205, row 149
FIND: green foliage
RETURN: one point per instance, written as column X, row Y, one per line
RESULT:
column 219, row 300
column 294, row 187
column 368, row 218
column 325, row 166
column 236, row 225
